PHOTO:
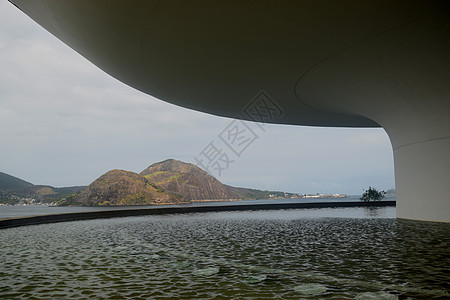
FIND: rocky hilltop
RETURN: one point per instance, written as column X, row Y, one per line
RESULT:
column 189, row 181
column 118, row 187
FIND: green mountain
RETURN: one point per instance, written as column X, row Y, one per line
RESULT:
column 11, row 183
column 14, row 190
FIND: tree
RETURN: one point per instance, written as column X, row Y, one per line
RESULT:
column 372, row 194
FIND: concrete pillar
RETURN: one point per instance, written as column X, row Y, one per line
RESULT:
column 401, row 80
column 422, row 175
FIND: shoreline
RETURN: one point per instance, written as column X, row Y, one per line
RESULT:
column 121, row 213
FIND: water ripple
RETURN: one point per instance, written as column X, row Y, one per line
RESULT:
column 212, row 256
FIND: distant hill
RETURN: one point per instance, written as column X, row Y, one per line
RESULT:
column 118, row 187
column 13, row 190
column 250, row 194
column 11, row 183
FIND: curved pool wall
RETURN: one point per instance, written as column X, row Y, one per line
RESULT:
column 105, row 214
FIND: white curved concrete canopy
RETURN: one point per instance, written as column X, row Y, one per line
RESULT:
column 324, row 63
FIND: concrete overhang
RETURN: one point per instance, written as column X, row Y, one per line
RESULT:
column 216, row 56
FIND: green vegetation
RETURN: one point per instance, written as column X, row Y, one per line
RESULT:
column 9, row 201
column 45, row 191
column 135, row 199
column 67, row 200
column 372, row 194
column 161, row 178
column 155, row 174
column 104, row 203
column 176, row 176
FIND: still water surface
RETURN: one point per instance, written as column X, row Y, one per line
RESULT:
column 344, row 252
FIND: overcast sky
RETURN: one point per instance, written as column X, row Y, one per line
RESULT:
column 64, row 122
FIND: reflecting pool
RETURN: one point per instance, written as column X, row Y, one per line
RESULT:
column 289, row 254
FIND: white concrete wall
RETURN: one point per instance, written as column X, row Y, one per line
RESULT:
column 401, row 80
column 423, row 180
